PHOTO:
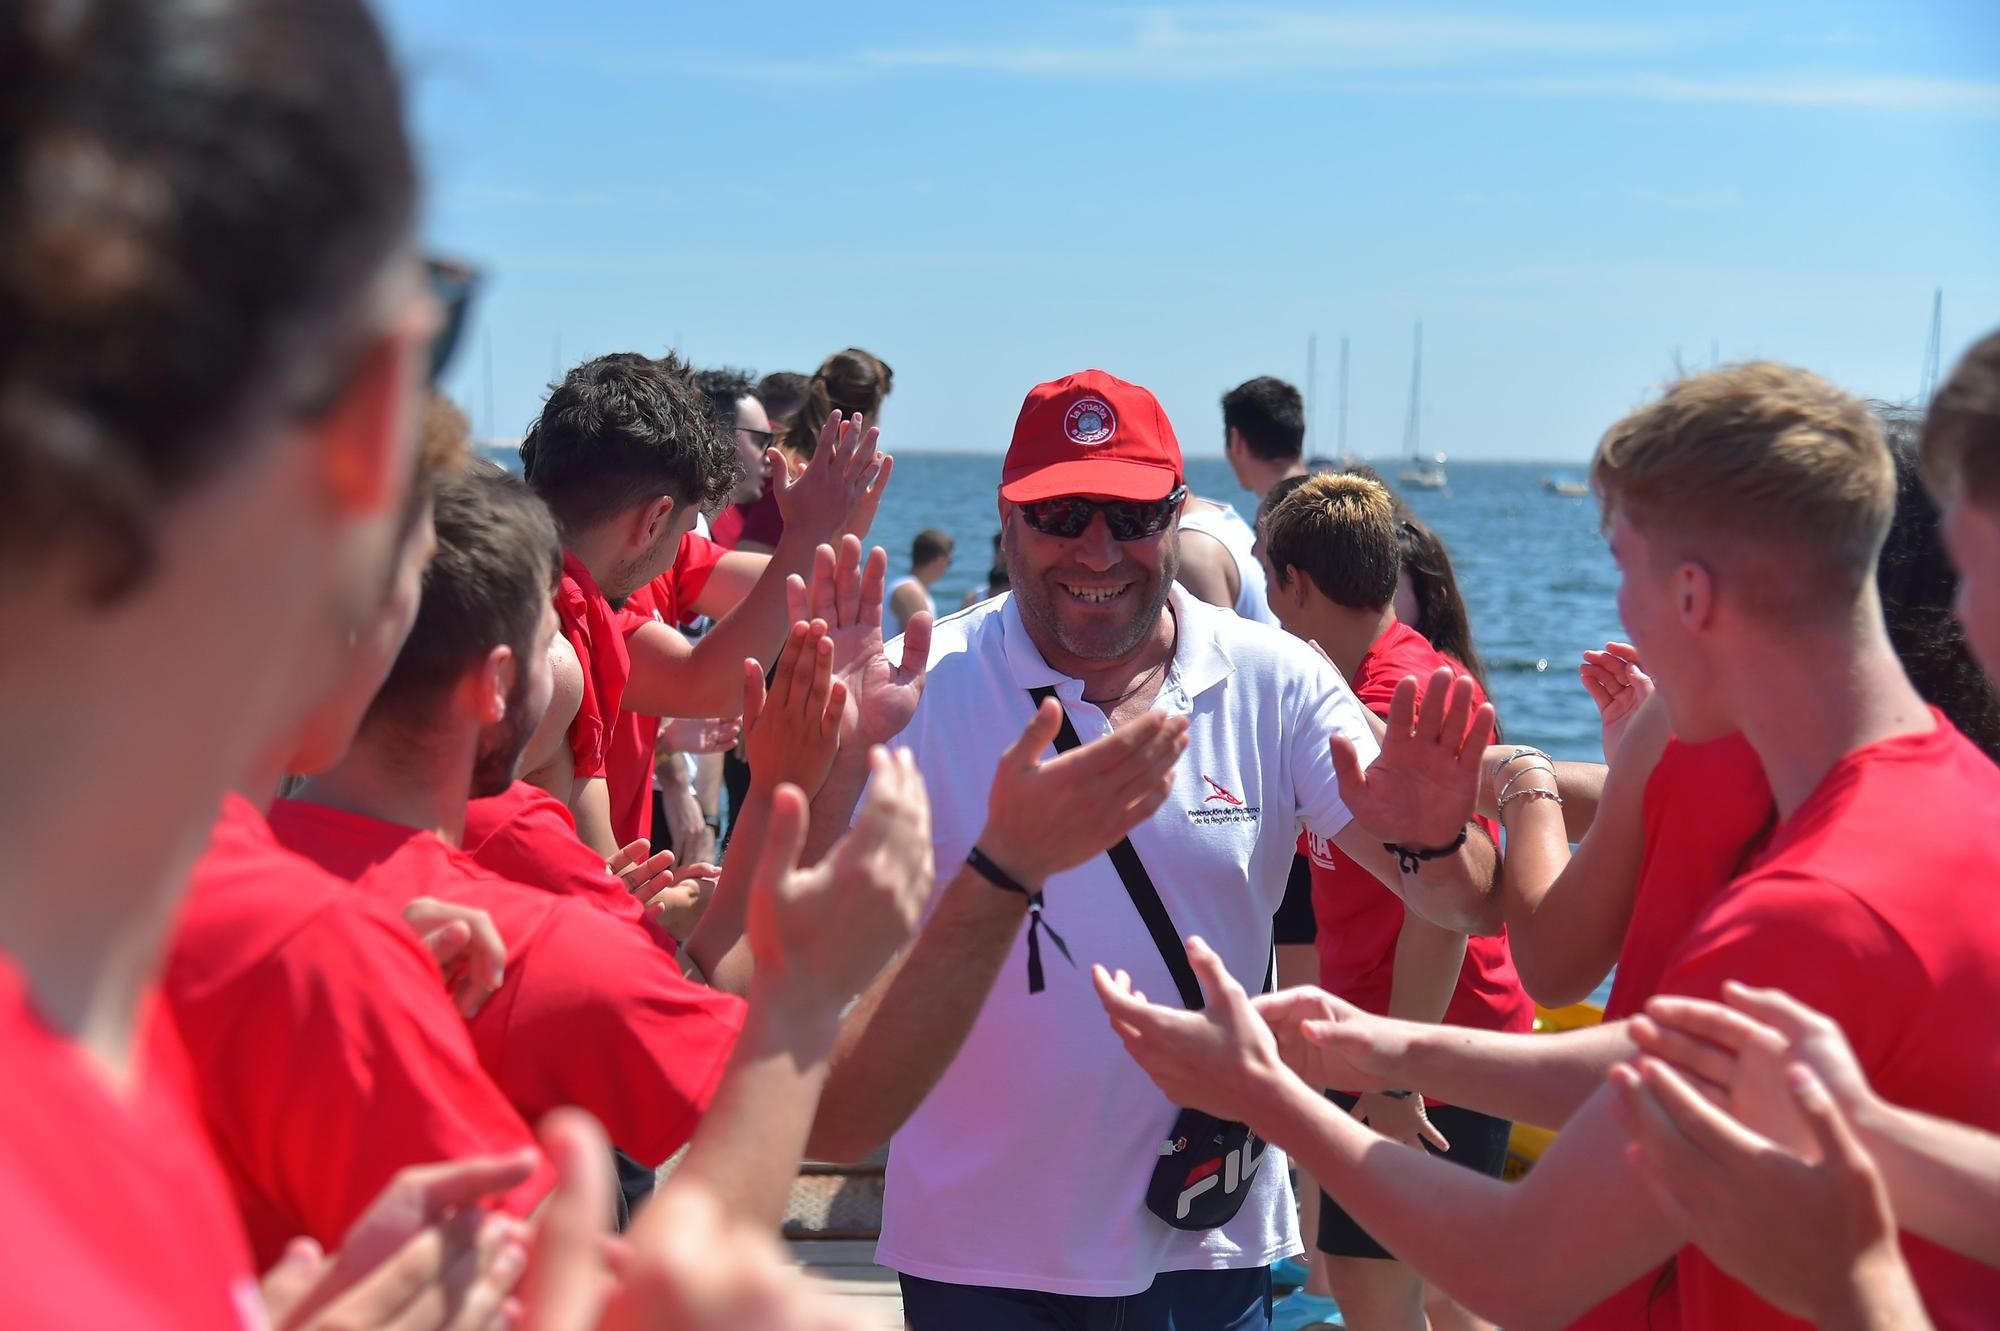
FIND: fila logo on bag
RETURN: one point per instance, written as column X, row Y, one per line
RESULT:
column 1229, row 1173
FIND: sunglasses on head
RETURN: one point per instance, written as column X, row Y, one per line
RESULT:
column 1067, row 516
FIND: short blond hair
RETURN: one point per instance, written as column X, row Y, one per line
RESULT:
column 1770, row 475
column 1961, row 439
column 1340, row 531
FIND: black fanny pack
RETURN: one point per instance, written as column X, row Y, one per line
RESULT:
column 1206, row 1163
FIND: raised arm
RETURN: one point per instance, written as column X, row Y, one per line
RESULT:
column 1042, row 817
column 1413, row 805
column 672, row 677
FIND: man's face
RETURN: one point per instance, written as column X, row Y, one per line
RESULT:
column 1972, row 537
column 493, row 771
column 753, row 435
column 1652, row 604
column 1092, row 596
column 1281, row 605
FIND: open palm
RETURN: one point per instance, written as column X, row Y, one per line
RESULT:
column 846, row 593
column 1421, row 790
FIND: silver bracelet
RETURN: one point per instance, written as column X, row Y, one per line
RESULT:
column 1531, row 794
column 1501, row 800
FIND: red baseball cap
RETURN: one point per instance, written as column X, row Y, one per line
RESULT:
column 1091, row 434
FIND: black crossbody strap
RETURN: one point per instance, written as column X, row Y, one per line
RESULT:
column 1139, row 886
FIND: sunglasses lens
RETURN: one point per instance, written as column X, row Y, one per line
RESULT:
column 1063, row 517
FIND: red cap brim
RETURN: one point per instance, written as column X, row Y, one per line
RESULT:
column 1113, row 478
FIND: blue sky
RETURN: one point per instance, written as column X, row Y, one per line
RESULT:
column 990, row 196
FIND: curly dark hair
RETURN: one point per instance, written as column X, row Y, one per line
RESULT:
column 621, row 431
column 199, row 201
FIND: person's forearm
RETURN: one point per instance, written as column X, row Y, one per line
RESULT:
column 908, row 1027
column 755, row 628
column 1880, row 1295
column 590, row 806
column 1581, row 784
column 1943, row 1177
column 833, row 807
column 720, row 944
column 1457, row 893
column 1428, row 963
column 1539, row 1079
column 750, row 1141
column 1556, row 940
column 1542, row 1255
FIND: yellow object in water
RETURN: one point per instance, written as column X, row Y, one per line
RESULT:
column 1526, row 1144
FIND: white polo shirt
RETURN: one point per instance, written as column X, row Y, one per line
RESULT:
column 1027, row 1166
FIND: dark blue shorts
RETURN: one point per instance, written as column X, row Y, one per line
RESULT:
column 1177, row 1301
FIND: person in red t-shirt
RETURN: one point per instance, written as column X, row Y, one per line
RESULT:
column 1331, row 561
column 626, row 452
column 593, row 1013
column 1745, row 510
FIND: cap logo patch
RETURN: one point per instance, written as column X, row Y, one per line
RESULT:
column 1090, row 421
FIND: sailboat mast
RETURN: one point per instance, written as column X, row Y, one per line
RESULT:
column 1343, row 400
column 1411, row 429
column 1933, row 350
column 1312, row 390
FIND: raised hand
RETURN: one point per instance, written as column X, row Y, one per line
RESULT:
column 793, row 730
column 1330, row 1043
column 695, row 734
column 1740, row 1056
column 824, row 932
column 424, row 1254
column 1423, row 787
column 843, row 473
column 1045, row 817
column 1618, row 685
column 846, row 592
column 1811, row 1233
column 645, row 875
column 1222, row 1060
column 468, row 949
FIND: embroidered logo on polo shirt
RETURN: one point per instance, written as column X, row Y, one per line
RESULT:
column 1220, row 793
column 1222, row 806
column 1090, row 421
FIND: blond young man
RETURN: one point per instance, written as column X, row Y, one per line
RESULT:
column 1745, row 510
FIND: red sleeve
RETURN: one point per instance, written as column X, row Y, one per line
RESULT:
column 335, row 1062
column 587, row 734
column 727, row 526
column 694, row 563
column 604, row 1019
column 1814, row 940
column 762, row 522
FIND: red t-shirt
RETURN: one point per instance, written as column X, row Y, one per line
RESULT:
column 634, row 741
column 1869, row 905
column 592, row 1013
column 1358, row 918
column 325, row 1050
column 759, row 520
column 591, row 626
column 1706, row 813
column 529, row 836
column 115, row 1212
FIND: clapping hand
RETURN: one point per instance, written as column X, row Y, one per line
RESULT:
column 824, row 932
column 1222, row 1060
column 698, row 734
column 846, row 592
column 1422, row 789
column 846, row 471
column 1618, row 686
column 1043, row 817
column 1330, row 1043
column 793, row 729
column 467, row 947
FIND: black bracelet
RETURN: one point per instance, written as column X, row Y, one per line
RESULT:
column 1398, row 1095
column 1407, row 860
column 980, row 863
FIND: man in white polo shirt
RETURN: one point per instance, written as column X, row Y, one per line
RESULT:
column 1016, row 1187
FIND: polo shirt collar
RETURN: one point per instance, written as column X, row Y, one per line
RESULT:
column 1201, row 660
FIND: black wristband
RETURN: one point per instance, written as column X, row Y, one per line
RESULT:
column 1407, row 859
column 983, row 865
column 980, row 863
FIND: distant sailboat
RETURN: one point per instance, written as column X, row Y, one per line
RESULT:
column 1418, row 472
column 1569, row 489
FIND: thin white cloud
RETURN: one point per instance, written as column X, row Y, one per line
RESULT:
column 1189, row 43
column 1861, row 92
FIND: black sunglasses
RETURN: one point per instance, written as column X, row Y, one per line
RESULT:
column 453, row 283
column 1067, row 516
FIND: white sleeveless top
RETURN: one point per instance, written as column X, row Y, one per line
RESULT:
column 1222, row 523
